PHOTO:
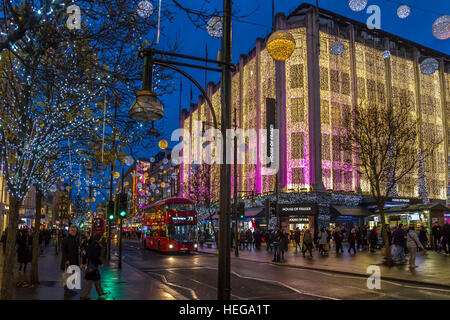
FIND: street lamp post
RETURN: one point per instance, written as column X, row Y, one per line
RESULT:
column 141, row 106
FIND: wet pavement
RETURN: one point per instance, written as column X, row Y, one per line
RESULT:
column 147, row 275
column 434, row 268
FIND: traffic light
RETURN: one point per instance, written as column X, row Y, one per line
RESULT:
column 241, row 210
column 123, row 204
column 110, row 211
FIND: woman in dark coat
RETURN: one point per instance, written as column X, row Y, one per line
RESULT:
column 24, row 243
column 92, row 262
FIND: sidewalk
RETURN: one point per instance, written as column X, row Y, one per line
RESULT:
column 434, row 268
column 126, row 284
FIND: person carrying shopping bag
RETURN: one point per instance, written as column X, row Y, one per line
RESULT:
column 412, row 242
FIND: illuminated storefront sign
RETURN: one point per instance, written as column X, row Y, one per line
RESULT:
column 297, row 209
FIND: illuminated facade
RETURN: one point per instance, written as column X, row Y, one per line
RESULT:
column 310, row 111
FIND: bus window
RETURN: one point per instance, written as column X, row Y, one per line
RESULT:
column 182, row 233
column 164, row 231
column 180, row 207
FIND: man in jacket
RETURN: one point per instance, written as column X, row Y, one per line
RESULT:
column 412, row 243
column 338, row 240
column 436, row 233
column 70, row 253
column 276, row 241
column 399, row 240
column 307, row 242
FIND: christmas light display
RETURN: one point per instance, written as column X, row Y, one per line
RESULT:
column 403, row 11
column 357, row 5
column 429, row 66
column 391, row 186
column 281, row 45
column 145, row 9
column 441, row 27
column 215, row 27
column 423, row 193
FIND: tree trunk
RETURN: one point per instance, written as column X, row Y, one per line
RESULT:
column 7, row 288
column 36, row 247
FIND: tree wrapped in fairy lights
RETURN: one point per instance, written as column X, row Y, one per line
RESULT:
column 385, row 137
column 423, row 190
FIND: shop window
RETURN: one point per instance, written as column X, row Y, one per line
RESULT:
column 334, row 80
column 336, row 149
column 297, row 110
column 296, row 76
column 324, row 79
column 345, row 82
column 335, row 114
column 297, row 145
column 298, row 176
column 326, row 147
column 325, row 111
column 336, row 179
column 361, row 88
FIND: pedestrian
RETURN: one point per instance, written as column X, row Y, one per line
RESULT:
column 297, row 235
column 201, row 238
column 70, row 254
column 242, row 239
column 352, row 238
column 276, row 244
column 42, row 240
column 446, row 237
column 323, row 242
column 24, row 243
column 359, row 238
column 399, row 241
column 436, row 236
column 284, row 243
column 307, row 242
column 412, row 243
column 423, row 237
column 249, row 239
column 373, row 238
column 338, row 240
column 92, row 262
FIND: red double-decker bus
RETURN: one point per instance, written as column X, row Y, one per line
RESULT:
column 170, row 225
column 98, row 225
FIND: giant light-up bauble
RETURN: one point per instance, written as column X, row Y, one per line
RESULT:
column 162, row 144
column 441, row 28
column 337, row 48
column 429, row 66
column 145, row 9
column 357, row 5
column 215, row 27
column 403, row 11
column 281, row 45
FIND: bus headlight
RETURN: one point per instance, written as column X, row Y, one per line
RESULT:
column 195, row 245
column 170, row 246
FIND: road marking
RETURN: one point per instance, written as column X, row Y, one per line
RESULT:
column 164, row 280
column 284, row 285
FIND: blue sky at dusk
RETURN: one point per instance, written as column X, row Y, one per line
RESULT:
column 417, row 28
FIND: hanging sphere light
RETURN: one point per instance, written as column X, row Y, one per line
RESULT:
column 165, row 161
column 152, row 179
column 153, row 186
column 78, row 183
column 337, row 48
column 145, row 9
column 116, row 175
column 157, row 191
column 53, row 188
column 129, row 160
column 403, row 11
column 163, row 184
column 441, row 28
column 429, row 66
column 386, row 54
column 152, row 159
column 281, row 45
column 215, row 27
column 357, row 5
column 162, row 144
column 139, row 185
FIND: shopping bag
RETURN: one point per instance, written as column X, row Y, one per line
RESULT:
column 325, row 247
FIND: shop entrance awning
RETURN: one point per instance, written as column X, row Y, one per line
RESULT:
column 249, row 213
column 351, row 211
